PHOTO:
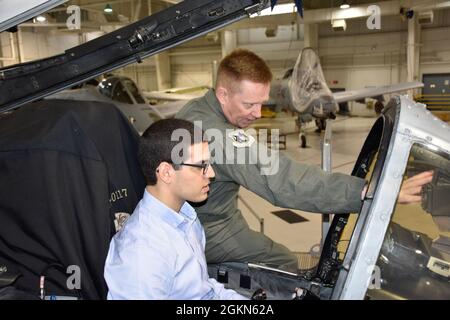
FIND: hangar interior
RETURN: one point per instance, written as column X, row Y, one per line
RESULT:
column 411, row 43
column 351, row 58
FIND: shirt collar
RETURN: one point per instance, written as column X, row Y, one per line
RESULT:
column 154, row 207
column 214, row 104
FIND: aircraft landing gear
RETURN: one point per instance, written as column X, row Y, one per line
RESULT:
column 301, row 135
column 321, row 125
column 302, row 140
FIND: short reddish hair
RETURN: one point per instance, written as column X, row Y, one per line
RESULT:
column 240, row 65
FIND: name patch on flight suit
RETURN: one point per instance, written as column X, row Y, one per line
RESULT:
column 241, row 139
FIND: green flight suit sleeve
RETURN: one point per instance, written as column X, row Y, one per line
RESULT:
column 287, row 183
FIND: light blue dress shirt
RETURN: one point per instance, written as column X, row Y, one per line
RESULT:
column 159, row 254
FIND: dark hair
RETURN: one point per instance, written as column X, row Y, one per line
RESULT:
column 242, row 64
column 156, row 144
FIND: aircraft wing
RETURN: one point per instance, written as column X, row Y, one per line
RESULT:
column 169, row 109
column 352, row 95
column 176, row 94
column 159, row 95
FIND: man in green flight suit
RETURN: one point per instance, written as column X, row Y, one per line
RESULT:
column 243, row 85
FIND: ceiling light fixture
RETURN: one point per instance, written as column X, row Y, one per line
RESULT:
column 344, row 5
column 41, row 18
column 108, row 9
column 278, row 9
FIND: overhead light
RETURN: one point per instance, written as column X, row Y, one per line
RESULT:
column 344, row 5
column 278, row 9
column 108, row 8
column 339, row 25
column 41, row 18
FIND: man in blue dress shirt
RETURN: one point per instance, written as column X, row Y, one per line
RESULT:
column 159, row 253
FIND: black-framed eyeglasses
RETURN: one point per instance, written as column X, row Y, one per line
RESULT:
column 203, row 165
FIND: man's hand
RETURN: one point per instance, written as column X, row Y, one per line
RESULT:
column 412, row 188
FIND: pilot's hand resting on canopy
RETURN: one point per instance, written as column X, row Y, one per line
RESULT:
column 412, row 188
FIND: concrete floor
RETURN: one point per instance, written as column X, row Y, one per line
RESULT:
column 348, row 137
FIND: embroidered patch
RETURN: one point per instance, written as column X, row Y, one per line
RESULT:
column 241, row 139
column 120, row 219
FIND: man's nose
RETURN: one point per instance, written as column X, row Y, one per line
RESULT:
column 257, row 112
column 210, row 173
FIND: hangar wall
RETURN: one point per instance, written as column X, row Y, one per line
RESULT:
column 370, row 59
column 350, row 59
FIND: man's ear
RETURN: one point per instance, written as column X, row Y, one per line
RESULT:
column 165, row 172
column 222, row 95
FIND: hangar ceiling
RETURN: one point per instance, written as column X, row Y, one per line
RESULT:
column 93, row 17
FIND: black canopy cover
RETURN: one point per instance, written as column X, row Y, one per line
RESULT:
column 67, row 168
